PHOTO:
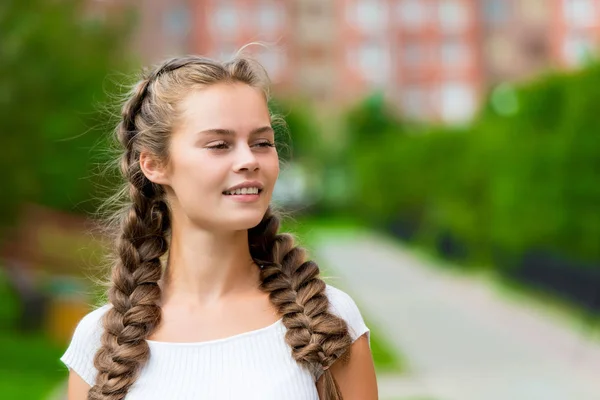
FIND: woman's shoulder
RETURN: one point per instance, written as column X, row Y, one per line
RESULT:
column 85, row 342
column 92, row 321
column 344, row 306
column 339, row 298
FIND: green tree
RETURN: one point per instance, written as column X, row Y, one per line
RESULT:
column 54, row 66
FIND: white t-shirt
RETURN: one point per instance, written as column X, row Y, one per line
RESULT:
column 251, row 365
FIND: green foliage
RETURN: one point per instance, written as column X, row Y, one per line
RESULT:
column 375, row 143
column 307, row 144
column 385, row 357
column 300, row 138
column 9, row 302
column 523, row 176
column 543, row 168
column 370, row 121
column 54, row 63
column 29, row 366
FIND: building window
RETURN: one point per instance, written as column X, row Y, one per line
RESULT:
column 577, row 50
column 455, row 53
column 496, row 12
column 457, row 102
column 414, row 54
column 412, row 14
column 414, row 103
column 535, row 10
column 453, row 15
column 225, row 20
column 317, row 80
column 369, row 15
column 225, row 50
column 317, row 9
column 177, row 21
column 273, row 61
column 373, row 62
column 270, row 17
column 580, row 13
column 500, row 52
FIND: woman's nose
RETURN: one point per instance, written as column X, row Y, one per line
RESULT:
column 245, row 159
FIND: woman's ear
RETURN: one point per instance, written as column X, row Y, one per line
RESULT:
column 153, row 169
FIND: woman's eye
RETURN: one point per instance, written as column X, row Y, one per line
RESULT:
column 219, row 146
column 225, row 145
column 265, row 144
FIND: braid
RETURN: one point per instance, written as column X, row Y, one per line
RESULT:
column 135, row 292
column 316, row 336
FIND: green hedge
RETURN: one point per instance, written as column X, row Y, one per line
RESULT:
column 519, row 178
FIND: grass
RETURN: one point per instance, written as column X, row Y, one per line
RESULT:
column 386, row 359
column 303, row 227
column 29, row 365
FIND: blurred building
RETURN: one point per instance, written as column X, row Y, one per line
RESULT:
column 516, row 38
column 437, row 62
column 316, row 54
column 434, row 59
column 222, row 27
column 438, row 58
column 162, row 28
column 523, row 37
column 575, row 30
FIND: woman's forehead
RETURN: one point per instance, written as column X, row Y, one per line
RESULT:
column 232, row 106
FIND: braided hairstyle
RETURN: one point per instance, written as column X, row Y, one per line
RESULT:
column 316, row 337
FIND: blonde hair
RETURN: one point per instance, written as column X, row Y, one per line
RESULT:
column 142, row 232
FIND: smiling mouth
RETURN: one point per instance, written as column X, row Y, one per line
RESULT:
column 243, row 192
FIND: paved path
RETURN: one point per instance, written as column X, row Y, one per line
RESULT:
column 462, row 341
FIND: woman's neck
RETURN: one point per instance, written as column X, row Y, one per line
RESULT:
column 205, row 267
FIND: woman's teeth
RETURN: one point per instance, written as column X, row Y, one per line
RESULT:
column 252, row 190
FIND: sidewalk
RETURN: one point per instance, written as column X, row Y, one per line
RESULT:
column 461, row 340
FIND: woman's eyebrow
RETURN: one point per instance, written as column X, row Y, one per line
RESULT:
column 229, row 132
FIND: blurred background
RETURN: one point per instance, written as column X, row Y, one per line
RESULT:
column 442, row 168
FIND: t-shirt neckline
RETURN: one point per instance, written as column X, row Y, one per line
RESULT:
column 219, row 340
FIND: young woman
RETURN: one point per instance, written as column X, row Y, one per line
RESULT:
column 237, row 312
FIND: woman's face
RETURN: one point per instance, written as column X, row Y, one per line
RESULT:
column 223, row 140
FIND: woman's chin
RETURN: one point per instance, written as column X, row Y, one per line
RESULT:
column 244, row 221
